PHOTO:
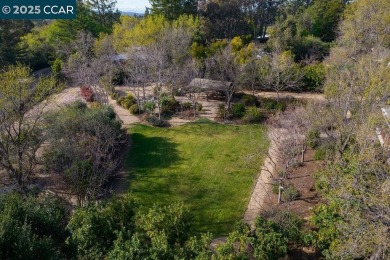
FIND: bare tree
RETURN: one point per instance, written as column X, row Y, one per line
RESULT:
column 137, row 73
column 157, row 67
column 21, row 124
column 223, row 67
column 176, row 42
column 288, row 143
column 250, row 73
column 193, row 88
column 105, row 67
column 78, row 67
column 279, row 72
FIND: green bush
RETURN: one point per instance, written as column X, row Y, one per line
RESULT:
column 114, row 95
column 56, row 69
column 280, row 106
column 169, row 105
column 313, row 77
column 320, row 154
column 221, row 112
column 186, row 106
column 155, row 121
column 313, row 138
column 290, row 193
column 119, row 77
column 127, row 101
column 270, row 242
column 199, row 107
column 149, row 106
column 290, row 224
column 134, row 109
column 252, row 115
column 310, row 45
column 95, row 105
column 269, row 104
column 32, row 227
column 275, row 188
column 250, row 100
column 238, row 110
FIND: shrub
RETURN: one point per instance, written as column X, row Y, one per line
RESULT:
column 313, row 138
column 275, row 188
column 127, row 101
column 186, row 106
column 250, row 100
column 199, row 107
column 280, row 106
column 134, row 109
column 290, row 224
column 320, row 154
column 154, row 121
column 56, row 69
column 87, row 94
column 270, row 242
column 149, row 106
column 313, row 77
column 310, row 46
column 119, row 77
column 95, row 105
column 221, row 112
column 114, row 95
column 169, row 105
column 290, row 193
column 252, row 115
column 269, row 104
column 238, row 110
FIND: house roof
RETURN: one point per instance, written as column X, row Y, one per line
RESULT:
column 208, row 84
column 119, row 57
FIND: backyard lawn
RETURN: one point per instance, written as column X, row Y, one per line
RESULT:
column 210, row 167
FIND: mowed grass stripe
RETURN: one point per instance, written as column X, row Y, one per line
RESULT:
column 210, row 167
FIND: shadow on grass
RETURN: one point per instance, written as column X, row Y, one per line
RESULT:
column 152, row 152
column 147, row 154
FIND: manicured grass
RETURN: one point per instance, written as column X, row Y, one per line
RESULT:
column 210, row 167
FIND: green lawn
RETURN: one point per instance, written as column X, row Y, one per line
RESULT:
column 210, row 167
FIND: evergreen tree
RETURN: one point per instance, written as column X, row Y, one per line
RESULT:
column 172, row 9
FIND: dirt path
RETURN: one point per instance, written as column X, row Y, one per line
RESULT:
column 124, row 114
column 307, row 96
column 68, row 95
column 262, row 189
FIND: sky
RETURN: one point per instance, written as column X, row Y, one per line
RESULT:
column 132, row 5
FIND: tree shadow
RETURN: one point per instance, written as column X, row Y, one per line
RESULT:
column 147, row 154
column 302, row 254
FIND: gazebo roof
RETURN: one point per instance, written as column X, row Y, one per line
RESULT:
column 208, row 84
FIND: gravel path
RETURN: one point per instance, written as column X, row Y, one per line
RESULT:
column 124, row 114
column 307, row 96
column 262, row 189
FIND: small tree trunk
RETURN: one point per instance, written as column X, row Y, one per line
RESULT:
column 280, row 191
column 194, row 109
column 303, row 153
column 143, row 91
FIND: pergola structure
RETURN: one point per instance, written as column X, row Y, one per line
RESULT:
column 199, row 85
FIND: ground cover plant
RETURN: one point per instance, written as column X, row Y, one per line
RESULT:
column 209, row 167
